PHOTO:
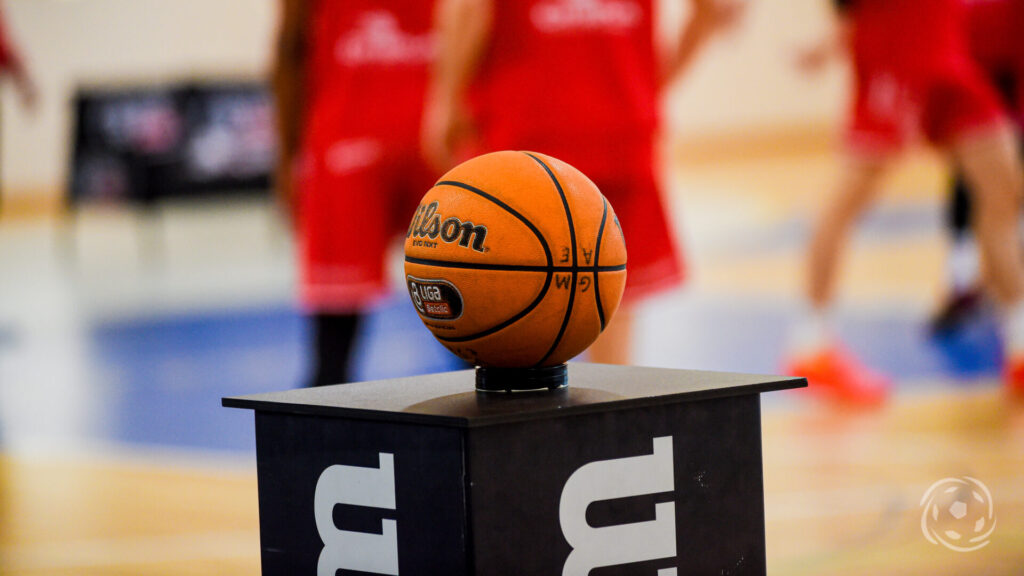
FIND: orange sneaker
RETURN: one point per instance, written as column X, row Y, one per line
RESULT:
column 1013, row 375
column 836, row 374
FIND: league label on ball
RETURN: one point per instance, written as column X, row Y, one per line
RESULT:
column 436, row 299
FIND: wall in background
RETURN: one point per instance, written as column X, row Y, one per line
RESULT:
column 747, row 81
column 69, row 43
column 743, row 84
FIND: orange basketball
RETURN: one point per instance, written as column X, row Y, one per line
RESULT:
column 515, row 259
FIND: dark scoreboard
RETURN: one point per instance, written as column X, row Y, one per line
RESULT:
column 147, row 143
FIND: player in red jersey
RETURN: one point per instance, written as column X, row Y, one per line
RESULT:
column 579, row 80
column 995, row 43
column 12, row 66
column 349, row 81
column 913, row 75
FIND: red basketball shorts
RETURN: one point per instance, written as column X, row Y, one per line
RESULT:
column 890, row 108
column 355, row 199
column 654, row 263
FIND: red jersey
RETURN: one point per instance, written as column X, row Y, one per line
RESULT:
column 576, row 79
column 367, row 69
column 913, row 73
column 993, row 31
column 908, row 36
column 997, row 45
column 367, row 72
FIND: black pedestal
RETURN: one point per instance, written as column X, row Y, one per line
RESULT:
column 636, row 471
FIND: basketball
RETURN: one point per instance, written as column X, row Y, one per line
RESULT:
column 515, row 259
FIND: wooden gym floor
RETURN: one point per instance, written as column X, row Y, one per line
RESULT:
column 88, row 488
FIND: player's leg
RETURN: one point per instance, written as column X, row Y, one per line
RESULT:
column 344, row 237
column 814, row 351
column 959, row 215
column 963, row 110
column 963, row 273
column 883, row 108
column 615, row 344
column 654, row 265
column 963, row 265
column 857, row 188
column 990, row 162
column 962, row 262
column 333, row 338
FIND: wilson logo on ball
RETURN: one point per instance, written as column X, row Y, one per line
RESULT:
column 428, row 225
column 436, row 299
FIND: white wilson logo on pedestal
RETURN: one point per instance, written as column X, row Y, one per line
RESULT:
column 356, row 486
column 623, row 543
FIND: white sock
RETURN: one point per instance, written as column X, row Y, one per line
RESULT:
column 1013, row 328
column 963, row 264
column 812, row 333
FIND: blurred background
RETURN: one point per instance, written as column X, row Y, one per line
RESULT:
column 145, row 273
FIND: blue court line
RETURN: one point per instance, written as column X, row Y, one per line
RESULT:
column 166, row 375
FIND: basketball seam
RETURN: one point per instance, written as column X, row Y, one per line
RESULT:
column 572, row 245
column 507, row 208
column 512, row 267
column 547, row 254
column 597, row 262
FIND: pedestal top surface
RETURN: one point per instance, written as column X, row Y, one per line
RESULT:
column 450, row 398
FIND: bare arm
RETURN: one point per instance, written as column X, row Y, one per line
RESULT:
column 464, row 32
column 708, row 18
column 11, row 64
column 834, row 44
column 288, row 84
